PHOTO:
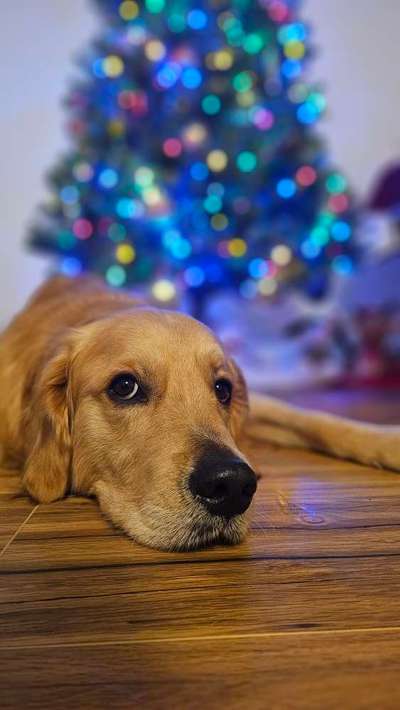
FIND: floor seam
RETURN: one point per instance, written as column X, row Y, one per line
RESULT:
column 18, row 530
column 206, row 637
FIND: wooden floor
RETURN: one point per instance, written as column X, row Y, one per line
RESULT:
column 305, row 614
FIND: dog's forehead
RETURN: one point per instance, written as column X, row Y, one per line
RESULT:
column 152, row 334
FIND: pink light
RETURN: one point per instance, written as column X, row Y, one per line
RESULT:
column 272, row 269
column 263, row 119
column 82, row 228
column 278, row 11
column 223, row 249
column 172, row 147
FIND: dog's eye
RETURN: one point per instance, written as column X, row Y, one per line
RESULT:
column 223, row 390
column 124, row 388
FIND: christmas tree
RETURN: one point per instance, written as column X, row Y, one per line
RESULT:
column 195, row 164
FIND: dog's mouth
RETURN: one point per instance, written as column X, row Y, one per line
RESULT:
column 211, row 532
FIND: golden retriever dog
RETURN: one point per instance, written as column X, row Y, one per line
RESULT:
column 101, row 395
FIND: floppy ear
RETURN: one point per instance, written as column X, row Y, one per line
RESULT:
column 47, row 468
column 240, row 402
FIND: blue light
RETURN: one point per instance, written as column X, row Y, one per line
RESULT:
column 168, row 75
column 258, row 268
column 170, row 236
column 307, row 113
column 310, row 250
column 194, row 276
column 216, row 188
column 199, row 171
column 342, row 264
column 71, row 266
column 69, row 194
column 97, row 68
column 197, row 19
column 108, row 178
column 126, row 208
column 181, row 248
column 191, row 78
column 291, row 68
column 292, row 33
column 341, row 231
column 286, row 188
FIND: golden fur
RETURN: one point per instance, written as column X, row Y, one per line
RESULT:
column 59, row 427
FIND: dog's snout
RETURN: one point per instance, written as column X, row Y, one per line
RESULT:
column 225, row 486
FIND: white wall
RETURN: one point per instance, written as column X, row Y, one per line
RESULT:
column 37, row 40
column 357, row 63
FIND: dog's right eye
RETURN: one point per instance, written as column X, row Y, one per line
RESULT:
column 124, row 388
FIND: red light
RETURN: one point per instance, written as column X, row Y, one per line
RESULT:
column 135, row 101
column 126, row 99
column 338, row 203
column 306, row 176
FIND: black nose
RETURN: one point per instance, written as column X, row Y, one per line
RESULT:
column 224, row 485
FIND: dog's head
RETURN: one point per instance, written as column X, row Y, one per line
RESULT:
column 144, row 410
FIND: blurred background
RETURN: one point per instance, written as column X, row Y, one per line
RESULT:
column 354, row 334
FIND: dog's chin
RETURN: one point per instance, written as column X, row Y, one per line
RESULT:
column 175, row 534
column 208, row 532
column 191, row 528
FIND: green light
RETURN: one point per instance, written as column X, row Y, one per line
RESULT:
column 326, row 218
column 212, row 204
column 176, row 22
column 116, row 275
column 336, row 183
column 143, row 269
column 233, row 30
column 144, row 177
column 319, row 236
column 155, row 6
column 253, row 44
column 116, row 232
column 66, row 240
column 318, row 100
column 246, row 161
column 211, row 104
column 242, row 82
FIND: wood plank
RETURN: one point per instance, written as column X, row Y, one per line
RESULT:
column 72, row 517
column 56, row 585
column 304, row 671
column 190, row 601
column 10, row 483
column 81, row 552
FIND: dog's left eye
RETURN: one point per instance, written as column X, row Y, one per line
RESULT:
column 223, row 390
column 124, row 388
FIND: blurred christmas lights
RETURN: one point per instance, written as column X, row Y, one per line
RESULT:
column 195, row 163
